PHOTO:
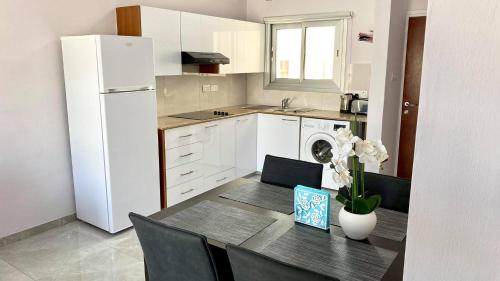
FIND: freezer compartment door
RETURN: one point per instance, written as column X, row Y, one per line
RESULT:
column 125, row 63
column 131, row 155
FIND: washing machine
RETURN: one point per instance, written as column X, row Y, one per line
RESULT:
column 316, row 140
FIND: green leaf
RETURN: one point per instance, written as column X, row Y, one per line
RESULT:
column 341, row 199
column 373, row 202
column 360, row 206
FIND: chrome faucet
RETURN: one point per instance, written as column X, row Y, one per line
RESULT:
column 285, row 103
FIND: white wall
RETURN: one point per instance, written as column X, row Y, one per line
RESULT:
column 360, row 51
column 387, row 69
column 35, row 170
column 417, row 5
column 454, row 221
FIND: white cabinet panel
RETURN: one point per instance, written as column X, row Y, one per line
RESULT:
column 246, row 145
column 184, row 173
column 242, row 42
column 164, row 27
column 219, row 146
column 183, row 192
column 219, row 179
column 183, row 136
column 277, row 135
column 184, row 154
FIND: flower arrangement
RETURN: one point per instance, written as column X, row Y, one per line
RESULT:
column 361, row 152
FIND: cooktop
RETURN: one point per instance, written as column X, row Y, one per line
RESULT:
column 202, row 115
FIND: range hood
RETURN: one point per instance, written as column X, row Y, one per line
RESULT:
column 204, row 58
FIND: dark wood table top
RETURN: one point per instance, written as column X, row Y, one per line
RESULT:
column 283, row 224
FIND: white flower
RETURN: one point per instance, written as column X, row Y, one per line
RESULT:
column 344, row 141
column 341, row 173
column 371, row 151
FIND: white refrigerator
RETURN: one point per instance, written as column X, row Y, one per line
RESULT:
column 111, row 105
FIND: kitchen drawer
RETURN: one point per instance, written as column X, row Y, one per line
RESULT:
column 184, row 154
column 184, row 173
column 183, row 192
column 183, row 136
column 219, row 179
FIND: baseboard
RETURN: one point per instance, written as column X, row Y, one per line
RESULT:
column 36, row 230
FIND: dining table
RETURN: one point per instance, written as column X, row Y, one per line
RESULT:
column 256, row 216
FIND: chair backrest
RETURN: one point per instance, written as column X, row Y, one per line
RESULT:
column 174, row 254
column 395, row 192
column 290, row 173
column 251, row 266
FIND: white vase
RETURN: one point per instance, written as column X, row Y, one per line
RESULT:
column 357, row 227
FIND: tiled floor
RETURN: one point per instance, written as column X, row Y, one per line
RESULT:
column 76, row 251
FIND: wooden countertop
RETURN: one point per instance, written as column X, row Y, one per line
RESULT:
column 166, row 122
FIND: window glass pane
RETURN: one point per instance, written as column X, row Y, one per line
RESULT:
column 320, row 51
column 288, row 52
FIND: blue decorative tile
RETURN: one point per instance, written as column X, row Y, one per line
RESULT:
column 312, row 207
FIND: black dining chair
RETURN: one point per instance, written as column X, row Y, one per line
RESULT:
column 174, row 254
column 251, row 266
column 290, row 173
column 395, row 192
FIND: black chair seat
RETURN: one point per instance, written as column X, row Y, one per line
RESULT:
column 251, row 266
column 290, row 173
column 174, row 254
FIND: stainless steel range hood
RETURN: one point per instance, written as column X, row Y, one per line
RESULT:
column 204, row 58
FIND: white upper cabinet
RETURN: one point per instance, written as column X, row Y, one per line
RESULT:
column 164, row 26
column 242, row 42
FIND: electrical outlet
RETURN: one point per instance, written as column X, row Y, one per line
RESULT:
column 214, row 88
column 206, row 88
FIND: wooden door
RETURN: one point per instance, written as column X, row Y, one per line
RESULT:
column 411, row 94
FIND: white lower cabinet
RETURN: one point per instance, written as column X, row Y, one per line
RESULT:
column 219, row 179
column 182, row 192
column 204, row 156
column 246, row 145
column 277, row 135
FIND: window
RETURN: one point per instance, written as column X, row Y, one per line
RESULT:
column 306, row 52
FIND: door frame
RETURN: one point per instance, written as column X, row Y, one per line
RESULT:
column 410, row 14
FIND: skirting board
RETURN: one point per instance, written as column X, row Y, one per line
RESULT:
column 36, row 230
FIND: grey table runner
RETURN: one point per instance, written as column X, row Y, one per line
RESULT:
column 217, row 221
column 262, row 195
column 327, row 253
column 390, row 224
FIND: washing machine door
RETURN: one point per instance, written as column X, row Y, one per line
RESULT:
column 317, row 148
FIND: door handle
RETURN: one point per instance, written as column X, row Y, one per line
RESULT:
column 186, row 136
column 408, row 104
column 212, row 126
column 289, row 120
column 219, row 180
column 187, row 191
column 186, row 155
column 188, row 173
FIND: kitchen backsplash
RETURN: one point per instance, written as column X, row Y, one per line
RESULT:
column 179, row 94
column 257, row 95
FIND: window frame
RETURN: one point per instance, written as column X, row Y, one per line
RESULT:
column 341, row 21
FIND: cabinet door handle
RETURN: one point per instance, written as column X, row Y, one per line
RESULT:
column 212, row 126
column 289, row 120
column 187, row 191
column 219, row 180
column 186, row 136
column 186, row 155
column 188, row 173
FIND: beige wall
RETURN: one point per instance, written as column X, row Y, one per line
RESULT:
column 179, row 94
column 360, row 52
column 454, row 222
column 35, row 169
